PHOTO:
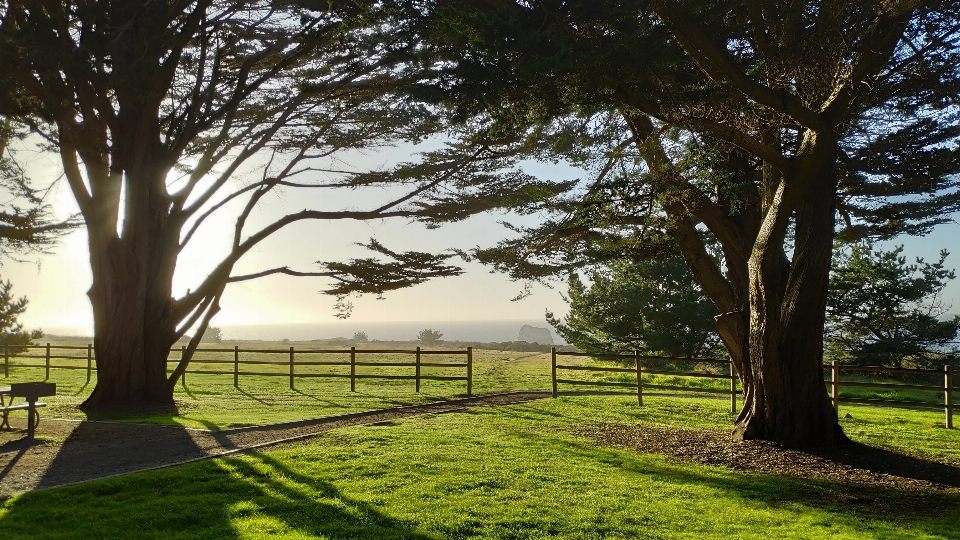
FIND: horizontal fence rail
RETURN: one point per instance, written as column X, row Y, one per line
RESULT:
column 294, row 358
column 947, row 388
column 639, row 387
column 834, row 383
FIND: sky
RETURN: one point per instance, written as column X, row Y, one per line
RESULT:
column 56, row 283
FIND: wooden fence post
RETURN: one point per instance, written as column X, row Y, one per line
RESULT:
column 469, row 371
column 6, row 360
column 89, row 360
column 835, row 385
column 553, row 369
column 948, row 395
column 733, row 388
column 353, row 369
column 636, row 359
column 236, row 366
column 183, row 377
column 291, row 368
column 418, row 369
column 48, row 362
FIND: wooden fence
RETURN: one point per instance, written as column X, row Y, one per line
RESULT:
column 295, row 358
column 639, row 387
column 947, row 388
column 84, row 360
column 834, row 384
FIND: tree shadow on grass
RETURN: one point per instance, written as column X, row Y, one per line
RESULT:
column 249, row 497
column 82, row 389
column 325, row 402
column 253, row 397
column 883, row 461
column 931, row 509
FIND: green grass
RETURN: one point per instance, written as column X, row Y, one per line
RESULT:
column 211, row 401
column 516, row 472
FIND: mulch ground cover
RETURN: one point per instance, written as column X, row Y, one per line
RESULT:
column 854, row 474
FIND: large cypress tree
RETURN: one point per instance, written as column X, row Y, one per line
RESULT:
column 167, row 113
column 760, row 124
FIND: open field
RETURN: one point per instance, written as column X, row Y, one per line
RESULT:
column 520, row 471
column 572, row 467
column 212, row 401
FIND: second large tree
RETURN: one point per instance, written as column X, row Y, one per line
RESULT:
column 753, row 123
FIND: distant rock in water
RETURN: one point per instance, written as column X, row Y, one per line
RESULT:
column 532, row 334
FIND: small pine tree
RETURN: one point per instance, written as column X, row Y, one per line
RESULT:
column 213, row 334
column 654, row 306
column 11, row 331
column 429, row 337
column 883, row 311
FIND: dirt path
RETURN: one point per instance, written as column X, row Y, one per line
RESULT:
column 75, row 451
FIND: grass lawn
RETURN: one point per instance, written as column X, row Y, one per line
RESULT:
column 212, row 402
column 521, row 471
column 507, row 472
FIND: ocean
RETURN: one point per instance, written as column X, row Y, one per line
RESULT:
column 482, row 331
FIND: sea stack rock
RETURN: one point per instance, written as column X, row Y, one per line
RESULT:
column 532, row 334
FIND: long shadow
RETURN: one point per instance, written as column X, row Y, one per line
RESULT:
column 385, row 399
column 95, row 447
column 228, row 498
column 82, row 389
column 326, row 402
column 882, row 461
column 847, row 501
column 251, row 396
column 21, row 445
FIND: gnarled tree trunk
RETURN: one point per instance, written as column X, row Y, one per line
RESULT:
column 785, row 397
column 131, row 297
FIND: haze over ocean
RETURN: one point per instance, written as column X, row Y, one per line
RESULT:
column 483, row 331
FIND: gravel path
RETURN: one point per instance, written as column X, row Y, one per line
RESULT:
column 79, row 451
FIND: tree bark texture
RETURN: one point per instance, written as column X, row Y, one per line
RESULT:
column 771, row 309
column 131, row 298
column 785, row 398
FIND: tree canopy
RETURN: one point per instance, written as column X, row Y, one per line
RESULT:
column 774, row 127
column 165, row 114
column 27, row 225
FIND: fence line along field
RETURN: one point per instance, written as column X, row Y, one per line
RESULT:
column 261, row 382
column 249, row 383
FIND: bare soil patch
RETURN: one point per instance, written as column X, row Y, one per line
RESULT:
column 68, row 452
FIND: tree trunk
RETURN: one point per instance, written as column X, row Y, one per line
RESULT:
column 131, row 298
column 785, row 398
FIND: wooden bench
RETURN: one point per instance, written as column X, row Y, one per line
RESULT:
column 30, row 392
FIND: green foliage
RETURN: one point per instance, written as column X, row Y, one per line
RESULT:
column 653, row 306
column 26, row 223
column 212, row 334
column 883, row 311
column 11, row 331
column 429, row 337
column 360, row 337
column 373, row 275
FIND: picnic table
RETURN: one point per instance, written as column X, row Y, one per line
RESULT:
column 30, row 392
